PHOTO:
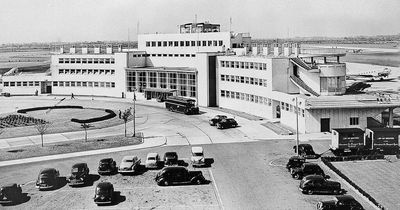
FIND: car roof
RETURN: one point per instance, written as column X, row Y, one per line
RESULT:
column 169, row 168
column 297, row 158
column 344, row 197
column 220, row 115
column 106, row 160
column 310, row 164
column 314, row 177
column 197, row 149
column 171, row 153
column 152, row 154
column 130, row 157
column 79, row 165
column 48, row 170
column 104, row 185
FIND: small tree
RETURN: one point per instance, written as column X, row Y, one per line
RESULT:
column 41, row 127
column 125, row 116
column 85, row 127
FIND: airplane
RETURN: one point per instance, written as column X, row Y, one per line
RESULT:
column 372, row 76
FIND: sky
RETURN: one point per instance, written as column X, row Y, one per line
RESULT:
column 23, row 21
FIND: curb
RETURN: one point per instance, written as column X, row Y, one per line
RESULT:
column 161, row 142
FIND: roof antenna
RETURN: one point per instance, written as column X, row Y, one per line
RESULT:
column 230, row 24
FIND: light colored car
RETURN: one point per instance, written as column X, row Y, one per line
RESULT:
column 197, row 158
column 129, row 164
column 152, row 160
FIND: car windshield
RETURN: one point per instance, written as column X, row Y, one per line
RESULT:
column 151, row 158
column 128, row 160
column 44, row 180
column 76, row 170
column 197, row 154
column 102, row 191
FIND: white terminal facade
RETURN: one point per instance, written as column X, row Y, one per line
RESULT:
column 217, row 69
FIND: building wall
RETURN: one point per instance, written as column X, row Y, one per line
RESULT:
column 280, row 73
column 24, row 84
column 312, row 79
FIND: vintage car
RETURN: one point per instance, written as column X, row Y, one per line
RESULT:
column 213, row 121
column 79, row 175
column 227, row 123
column 47, row 179
column 295, row 162
column 107, row 166
column 306, row 151
column 10, row 193
column 312, row 184
column 307, row 169
column 103, row 193
column 170, row 158
column 179, row 175
column 153, row 160
column 129, row 164
column 340, row 202
column 197, row 158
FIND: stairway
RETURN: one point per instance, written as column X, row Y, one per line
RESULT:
column 301, row 84
column 299, row 62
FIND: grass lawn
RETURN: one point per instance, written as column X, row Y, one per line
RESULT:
column 378, row 178
column 66, row 147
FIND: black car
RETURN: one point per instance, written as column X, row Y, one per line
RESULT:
column 307, row 169
column 79, row 175
column 103, row 193
column 227, row 123
column 306, row 151
column 213, row 121
column 170, row 158
column 47, row 179
column 10, row 193
column 295, row 162
column 107, row 166
column 179, row 175
column 340, row 202
column 318, row 184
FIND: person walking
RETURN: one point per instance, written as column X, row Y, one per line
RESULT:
column 72, row 96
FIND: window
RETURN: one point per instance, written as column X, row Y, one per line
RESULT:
column 222, row 63
column 193, row 43
column 66, row 84
column 78, row 60
column 164, row 43
column 84, row 84
column 251, row 80
column 176, row 43
column 90, row 60
column 220, row 43
column 247, row 80
column 90, row 84
column 72, row 84
column 108, row 84
column 102, row 84
column 107, row 60
column 84, row 60
column 170, row 44
column 96, row 84
column 6, row 84
column 241, row 79
column 12, row 84
column 55, row 83
column 112, row 84
column 61, row 71
column 78, row 71
column 199, row 43
column 96, row 60
column 353, row 120
column 222, row 93
column 228, row 78
column 222, row 77
column 66, row 60
column 60, row 83
column 72, row 60
column 159, row 43
column 237, row 79
column 36, row 83
column 18, row 83
column 153, row 44
column 61, row 60
column 30, row 83
column 147, row 44
column 215, row 43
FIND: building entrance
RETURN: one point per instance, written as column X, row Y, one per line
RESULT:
column 325, row 125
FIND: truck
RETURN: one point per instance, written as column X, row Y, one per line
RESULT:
column 347, row 141
column 385, row 140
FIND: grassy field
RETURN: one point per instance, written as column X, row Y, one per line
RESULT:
column 378, row 178
column 382, row 59
column 67, row 147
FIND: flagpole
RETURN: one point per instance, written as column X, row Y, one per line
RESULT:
column 134, row 113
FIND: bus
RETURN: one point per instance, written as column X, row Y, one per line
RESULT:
column 181, row 104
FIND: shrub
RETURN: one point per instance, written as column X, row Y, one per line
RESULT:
column 24, row 111
column 110, row 115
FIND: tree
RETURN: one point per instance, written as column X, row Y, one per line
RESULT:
column 42, row 127
column 125, row 116
column 85, row 127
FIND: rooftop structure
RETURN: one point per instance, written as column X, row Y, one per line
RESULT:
column 205, row 27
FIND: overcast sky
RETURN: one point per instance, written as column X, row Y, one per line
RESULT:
column 93, row 20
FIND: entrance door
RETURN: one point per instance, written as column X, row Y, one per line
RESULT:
column 278, row 111
column 325, row 125
column 48, row 89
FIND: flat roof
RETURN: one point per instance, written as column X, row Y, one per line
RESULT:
column 182, row 69
column 350, row 101
column 348, row 130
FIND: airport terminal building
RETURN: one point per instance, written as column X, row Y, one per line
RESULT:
column 216, row 68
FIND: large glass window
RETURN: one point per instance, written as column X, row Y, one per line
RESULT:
column 172, row 80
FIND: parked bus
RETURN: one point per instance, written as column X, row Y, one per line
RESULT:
column 181, row 104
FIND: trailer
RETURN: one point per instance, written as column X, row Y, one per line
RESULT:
column 347, row 141
column 385, row 140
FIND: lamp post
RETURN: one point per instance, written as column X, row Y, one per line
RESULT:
column 134, row 113
column 297, row 128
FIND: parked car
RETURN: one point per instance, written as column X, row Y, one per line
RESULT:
column 306, row 151
column 107, row 166
column 129, row 164
column 227, row 123
column 318, row 184
column 340, row 202
column 197, row 158
column 153, row 160
column 47, row 179
column 295, row 162
column 79, row 175
column 170, row 158
column 307, row 169
column 178, row 175
column 213, row 121
column 103, row 193
column 10, row 193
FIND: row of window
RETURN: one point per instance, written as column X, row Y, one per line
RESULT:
column 164, row 55
column 87, row 71
column 202, row 43
column 291, row 108
column 22, row 83
column 246, row 97
column 244, row 65
column 87, row 60
column 242, row 79
column 83, row 84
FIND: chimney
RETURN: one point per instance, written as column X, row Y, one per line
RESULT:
column 72, row 49
column 109, row 49
column 96, row 49
column 287, row 49
column 120, row 48
column 254, row 49
column 84, row 49
column 277, row 49
column 62, row 49
column 266, row 49
column 296, row 49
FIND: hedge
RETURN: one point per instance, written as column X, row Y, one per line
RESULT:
column 110, row 115
column 24, row 111
column 353, row 157
column 338, row 172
